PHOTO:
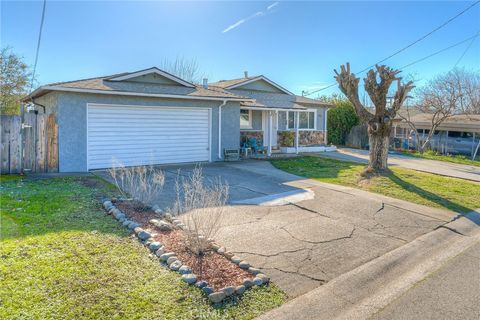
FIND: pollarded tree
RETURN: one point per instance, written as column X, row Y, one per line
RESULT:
column 377, row 84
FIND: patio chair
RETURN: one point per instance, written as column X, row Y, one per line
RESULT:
column 256, row 148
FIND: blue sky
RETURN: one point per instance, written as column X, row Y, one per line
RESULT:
column 297, row 44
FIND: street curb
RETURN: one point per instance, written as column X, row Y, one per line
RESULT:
column 360, row 293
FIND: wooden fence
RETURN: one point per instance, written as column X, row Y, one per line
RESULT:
column 357, row 137
column 31, row 146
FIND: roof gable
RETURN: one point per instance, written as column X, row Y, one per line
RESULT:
column 152, row 75
column 259, row 83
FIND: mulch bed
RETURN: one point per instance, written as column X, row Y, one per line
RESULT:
column 217, row 270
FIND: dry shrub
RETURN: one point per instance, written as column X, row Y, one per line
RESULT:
column 201, row 205
column 143, row 184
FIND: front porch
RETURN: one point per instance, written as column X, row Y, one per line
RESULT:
column 271, row 132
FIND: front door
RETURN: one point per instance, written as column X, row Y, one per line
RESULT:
column 266, row 131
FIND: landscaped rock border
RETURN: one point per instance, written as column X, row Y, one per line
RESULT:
column 169, row 259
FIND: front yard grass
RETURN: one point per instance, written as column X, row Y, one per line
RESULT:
column 431, row 155
column 423, row 188
column 61, row 257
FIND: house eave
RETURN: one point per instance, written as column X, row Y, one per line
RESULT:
column 260, row 78
column 40, row 91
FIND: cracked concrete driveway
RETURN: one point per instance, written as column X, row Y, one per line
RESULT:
column 304, row 244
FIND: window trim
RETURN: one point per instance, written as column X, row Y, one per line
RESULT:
column 314, row 111
column 250, row 120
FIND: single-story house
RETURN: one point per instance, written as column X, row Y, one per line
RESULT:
column 459, row 133
column 153, row 117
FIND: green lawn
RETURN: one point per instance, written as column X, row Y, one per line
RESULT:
column 453, row 158
column 414, row 186
column 62, row 258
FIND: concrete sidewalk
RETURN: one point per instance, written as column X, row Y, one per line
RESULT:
column 373, row 288
column 437, row 167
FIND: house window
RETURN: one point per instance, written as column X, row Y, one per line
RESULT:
column 245, row 119
column 306, row 120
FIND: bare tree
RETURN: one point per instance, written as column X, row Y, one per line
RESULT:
column 188, row 70
column 455, row 92
column 377, row 83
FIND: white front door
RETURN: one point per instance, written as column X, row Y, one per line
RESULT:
column 144, row 135
column 265, row 128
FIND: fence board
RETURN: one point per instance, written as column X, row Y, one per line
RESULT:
column 5, row 144
column 29, row 141
column 52, row 144
column 16, row 146
column 41, row 148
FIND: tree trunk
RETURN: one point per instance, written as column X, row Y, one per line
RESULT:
column 378, row 149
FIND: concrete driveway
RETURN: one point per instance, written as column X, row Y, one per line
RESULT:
column 437, row 167
column 307, row 243
column 324, row 231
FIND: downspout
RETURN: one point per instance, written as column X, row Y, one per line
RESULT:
column 40, row 105
column 220, row 129
column 296, row 130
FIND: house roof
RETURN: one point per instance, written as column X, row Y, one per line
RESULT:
column 286, row 100
column 459, row 122
column 234, row 83
column 117, row 84
column 124, row 84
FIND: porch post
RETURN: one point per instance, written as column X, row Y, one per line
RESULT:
column 296, row 131
column 269, row 150
column 473, row 144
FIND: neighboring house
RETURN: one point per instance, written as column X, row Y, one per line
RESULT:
column 153, row 117
column 456, row 134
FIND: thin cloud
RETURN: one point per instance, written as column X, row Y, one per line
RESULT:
column 255, row 15
column 273, row 5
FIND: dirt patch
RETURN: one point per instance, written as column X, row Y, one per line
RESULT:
column 137, row 212
column 91, row 183
column 214, row 268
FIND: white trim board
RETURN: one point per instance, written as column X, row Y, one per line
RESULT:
column 279, row 87
column 154, row 71
column 138, row 94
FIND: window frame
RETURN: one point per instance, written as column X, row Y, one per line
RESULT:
column 250, row 120
column 308, row 111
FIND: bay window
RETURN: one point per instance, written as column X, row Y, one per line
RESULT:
column 306, row 120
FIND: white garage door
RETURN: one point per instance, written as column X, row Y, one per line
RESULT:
column 138, row 135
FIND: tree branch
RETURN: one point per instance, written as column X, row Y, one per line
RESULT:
column 348, row 84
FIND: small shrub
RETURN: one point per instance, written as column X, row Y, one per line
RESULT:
column 202, row 206
column 286, row 138
column 341, row 119
column 143, row 184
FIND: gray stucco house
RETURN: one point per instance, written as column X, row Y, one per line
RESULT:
column 153, row 117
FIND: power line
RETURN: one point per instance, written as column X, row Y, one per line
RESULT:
column 406, row 47
column 424, row 36
column 38, row 45
column 440, row 51
column 464, row 52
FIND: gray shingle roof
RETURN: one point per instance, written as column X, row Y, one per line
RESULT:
column 267, row 99
column 215, row 90
column 104, row 84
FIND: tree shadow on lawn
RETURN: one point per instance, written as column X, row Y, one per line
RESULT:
column 36, row 205
column 427, row 195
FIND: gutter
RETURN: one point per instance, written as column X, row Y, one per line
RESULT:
column 220, row 129
column 138, row 94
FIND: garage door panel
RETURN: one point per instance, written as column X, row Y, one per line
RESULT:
column 132, row 135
